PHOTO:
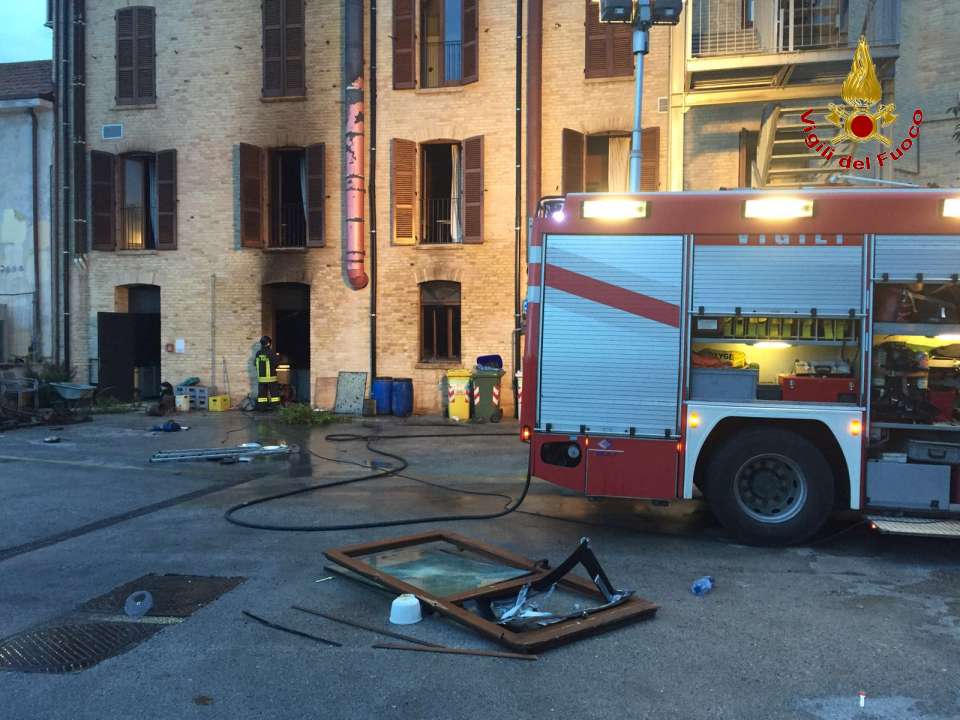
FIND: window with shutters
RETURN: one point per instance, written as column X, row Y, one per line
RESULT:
column 284, row 68
column 442, row 180
column 280, row 196
column 609, row 46
column 439, row 321
column 136, row 56
column 601, row 162
column 448, row 36
column 133, row 201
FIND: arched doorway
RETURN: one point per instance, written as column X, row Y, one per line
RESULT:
column 286, row 319
column 129, row 344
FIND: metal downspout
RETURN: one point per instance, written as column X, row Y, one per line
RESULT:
column 534, row 102
column 518, row 208
column 37, row 334
column 68, row 229
column 353, row 144
column 372, row 193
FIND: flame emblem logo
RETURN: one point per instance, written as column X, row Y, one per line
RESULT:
column 858, row 121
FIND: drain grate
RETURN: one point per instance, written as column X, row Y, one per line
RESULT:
column 68, row 648
column 177, row 596
column 94, row 632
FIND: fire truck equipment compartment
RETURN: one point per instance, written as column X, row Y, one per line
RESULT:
column 470, row 601
column 810, row 388
column 723, row 384
column 937, row 453
column 908, row 486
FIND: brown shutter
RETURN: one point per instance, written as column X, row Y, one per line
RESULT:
column 621, row 49
column 404, row 45
column 125, row 57
column 573, row 153
column 294, row 71
column 403, row 171
column 473, row 190
column 272, row 48
column 167, row 200
column 470, row 61
column 146, row 52
column 103, row 201
column 251, row 194
column 650, row 165
column 315, row 195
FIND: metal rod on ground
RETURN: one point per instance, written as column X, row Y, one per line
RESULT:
column 238, row 453
column 456, row 651
column 369, row 628
column 281, row 628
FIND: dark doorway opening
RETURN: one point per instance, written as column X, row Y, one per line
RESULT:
column 441, row 193
column 286, row 319
column 129, row 344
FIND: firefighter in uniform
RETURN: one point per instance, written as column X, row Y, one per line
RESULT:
column 268, row 392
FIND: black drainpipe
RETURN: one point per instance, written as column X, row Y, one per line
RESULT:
column 35, row 182
column 68, row 229
column 518, row 200
column 372, row 192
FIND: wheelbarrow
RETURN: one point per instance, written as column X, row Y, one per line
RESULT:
column 73, row 396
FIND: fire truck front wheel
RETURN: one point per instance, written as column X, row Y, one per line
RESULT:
column 770, row 486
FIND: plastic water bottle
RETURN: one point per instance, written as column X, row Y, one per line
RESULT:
column 702, row 586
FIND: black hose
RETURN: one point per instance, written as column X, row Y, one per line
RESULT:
column 369, row 439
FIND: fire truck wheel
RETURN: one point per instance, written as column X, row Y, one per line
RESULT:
column 770, row 487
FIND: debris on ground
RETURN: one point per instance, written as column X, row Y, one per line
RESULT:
column 51, row 439
column 241, row 453
column 701, row 586
column 291, row 631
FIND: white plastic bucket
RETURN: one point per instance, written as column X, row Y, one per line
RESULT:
column 405, row 610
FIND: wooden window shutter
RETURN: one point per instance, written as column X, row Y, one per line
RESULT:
column 403, row 171
column 650, row 165
column 251, row 196
column 167, row 200
column 126, row 57
column 294, row 70
column 316, row 195
column 574, row 147
column 146, row 51
column 609, row 46
column 103, row 201
column 621, row 49
column 404, row 45
column 473, row 190
column 272, row 48
column 470, row 47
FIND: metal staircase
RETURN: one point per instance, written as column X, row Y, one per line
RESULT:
column 783, row 158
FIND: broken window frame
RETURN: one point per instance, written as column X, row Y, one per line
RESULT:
column 596, row 620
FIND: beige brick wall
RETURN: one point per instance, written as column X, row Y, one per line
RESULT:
column 712, row 144
column 208, row 100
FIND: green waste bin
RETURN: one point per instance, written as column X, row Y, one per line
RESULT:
column 486, row 395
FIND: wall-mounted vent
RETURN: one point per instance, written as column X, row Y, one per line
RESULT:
column 663, row 104
column 112, row 132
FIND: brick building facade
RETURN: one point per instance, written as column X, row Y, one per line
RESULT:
column 240, row 232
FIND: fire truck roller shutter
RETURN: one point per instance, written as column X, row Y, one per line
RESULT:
column 778, row 274
column 902, row 257
column 610, row 338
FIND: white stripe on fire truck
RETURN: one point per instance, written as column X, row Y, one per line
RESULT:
column 534, row 255
column 533, row 293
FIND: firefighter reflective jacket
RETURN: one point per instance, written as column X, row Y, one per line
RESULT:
column 265, row 362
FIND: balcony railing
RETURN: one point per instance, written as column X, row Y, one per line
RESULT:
column 291, row 229
column 441, row 64
column 437, row 221
column 737, row 27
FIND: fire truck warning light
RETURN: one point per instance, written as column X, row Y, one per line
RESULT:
column 614, row 209
column 951, row 208
column 779, row 208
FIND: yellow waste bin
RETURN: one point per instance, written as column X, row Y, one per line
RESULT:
column 458, row 394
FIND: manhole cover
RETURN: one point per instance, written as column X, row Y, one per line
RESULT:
column 85, row 637
column 68, row 648
column 176, row 596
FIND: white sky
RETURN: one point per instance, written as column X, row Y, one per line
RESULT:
column 22, row 34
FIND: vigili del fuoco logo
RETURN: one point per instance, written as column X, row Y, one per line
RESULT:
column 861, row 119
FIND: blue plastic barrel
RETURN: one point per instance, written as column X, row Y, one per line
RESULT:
column 383, row 394
column 402, row 397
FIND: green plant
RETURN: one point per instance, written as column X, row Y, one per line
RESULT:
column 108, row 405
column 956, row 113
column 49, row 372
column 302, row 414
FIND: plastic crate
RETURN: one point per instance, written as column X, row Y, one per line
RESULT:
column 197, row 393
column 218, row 403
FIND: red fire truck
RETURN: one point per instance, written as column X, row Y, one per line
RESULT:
column 786, row 354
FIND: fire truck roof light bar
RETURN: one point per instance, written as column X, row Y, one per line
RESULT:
column 778, row 208
column 615, row 209
column 951, row 208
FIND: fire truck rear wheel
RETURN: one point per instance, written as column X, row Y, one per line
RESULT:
column 770, row 486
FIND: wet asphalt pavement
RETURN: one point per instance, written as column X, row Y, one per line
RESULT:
column 787, row 633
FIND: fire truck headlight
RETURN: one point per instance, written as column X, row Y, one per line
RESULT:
column 855, row 427
column 558, row 215
column 613, row 209
column 693, row 420
column 951, row 208
column 778, row 208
